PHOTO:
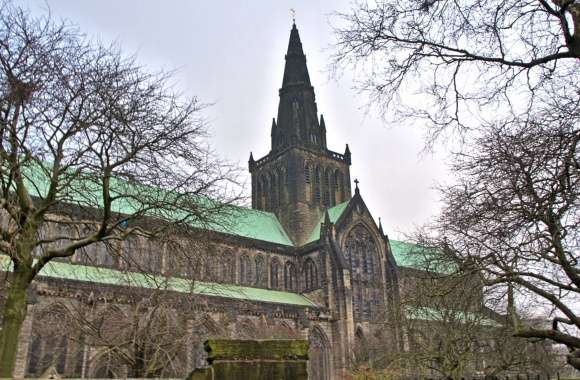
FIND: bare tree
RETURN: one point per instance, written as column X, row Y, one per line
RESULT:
column 452, row 332
column 92, row 143
column 512, row 220
column 470, row 60
column 505, row 75
column 144, row 338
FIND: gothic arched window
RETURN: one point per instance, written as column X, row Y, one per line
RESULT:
column 311, row 274
column 341, row 186
column 245, row 270
column 274, row 269
column 281, row 183
column 273, row 190
column 227, row 268
column 289, row 276
column 369, row 259
column 329, row 192
column 317, row 184
column 319, row 367
column 52, row 344
column 258, row 194
column 362, row 254
column 336, row 180
column 307, row 173
column 264, row 202
column 259, row 271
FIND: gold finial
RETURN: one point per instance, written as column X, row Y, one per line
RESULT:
column 293, row 13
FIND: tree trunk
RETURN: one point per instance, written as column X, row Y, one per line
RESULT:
column 573, row 359
column 14, row 314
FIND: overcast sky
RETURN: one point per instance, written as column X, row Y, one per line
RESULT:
column 231, row 54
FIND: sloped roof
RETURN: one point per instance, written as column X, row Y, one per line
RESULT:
column 66, row 271
column 334, row 213
column 404, row 254
column 411, row 255
column 232, row 220
column 254, row 224
column 446, row 315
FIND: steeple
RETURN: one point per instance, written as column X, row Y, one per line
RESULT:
column 297, row 113
column 295, row 71
column 300, row 177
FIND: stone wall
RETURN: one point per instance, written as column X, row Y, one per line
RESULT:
column 56, row 304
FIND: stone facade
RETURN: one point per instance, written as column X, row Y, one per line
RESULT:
column 339, row 259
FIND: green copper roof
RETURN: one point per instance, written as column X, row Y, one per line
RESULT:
column 414, row 256
column 107, row 276
column 233, row 220
column 334, row 213
column 404, row 254
column 445, row 315
column 254, row 224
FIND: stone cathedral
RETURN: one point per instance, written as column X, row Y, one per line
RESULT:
column 307, row 260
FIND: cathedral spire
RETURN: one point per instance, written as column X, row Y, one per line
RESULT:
column 295, row 71
column 300, row 177
column 297, row 119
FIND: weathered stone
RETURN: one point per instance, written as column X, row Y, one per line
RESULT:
column 258, row 370
column 201, row 374
column 254, row 360
column 282, row 349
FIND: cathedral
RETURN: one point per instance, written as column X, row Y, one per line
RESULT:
column 307, row 260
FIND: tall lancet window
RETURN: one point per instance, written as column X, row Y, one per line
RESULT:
column 274, row 273
column 362, row 255
column 259, row 271
column 310, row 275
column 317, row 184
column 245, row 270
column 290, row 276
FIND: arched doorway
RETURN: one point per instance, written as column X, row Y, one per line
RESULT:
column 319, row 365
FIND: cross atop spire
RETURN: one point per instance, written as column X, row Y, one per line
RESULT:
column 293, row 14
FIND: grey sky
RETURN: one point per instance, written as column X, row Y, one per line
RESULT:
column 232, row 54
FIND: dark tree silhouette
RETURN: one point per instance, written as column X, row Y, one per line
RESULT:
column 470, row 61
column 90, row 142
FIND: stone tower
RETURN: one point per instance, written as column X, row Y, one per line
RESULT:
column 299, row 178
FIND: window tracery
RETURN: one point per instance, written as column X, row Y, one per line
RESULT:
column 289, row 276
column 245, row 270
column 311, row 274
column 281, row 183
column 259, row 270
column 317, row 184
column 319, row 367
column 274, row 190
column 361, row 254
column 274, row 269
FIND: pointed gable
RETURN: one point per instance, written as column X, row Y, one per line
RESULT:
column 334, row 213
